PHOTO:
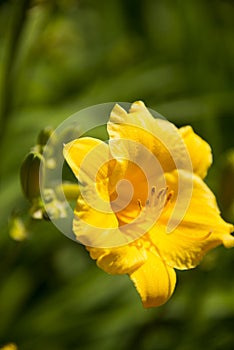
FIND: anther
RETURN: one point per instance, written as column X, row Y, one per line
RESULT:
column 170, row 194
column 153, row 190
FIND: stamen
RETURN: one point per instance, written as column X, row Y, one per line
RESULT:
column 169, row 196
column 153, row 190
column 159, row 199
column 139, row 204
column 162, row 192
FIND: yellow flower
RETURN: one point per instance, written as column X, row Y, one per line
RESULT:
column 143, row 208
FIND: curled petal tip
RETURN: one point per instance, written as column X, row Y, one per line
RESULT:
column 139, row 103
column 228, row 240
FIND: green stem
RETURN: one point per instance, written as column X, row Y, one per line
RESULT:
column 12, row 45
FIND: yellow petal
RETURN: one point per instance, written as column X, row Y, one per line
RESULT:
column 154, row 281
column 119, row 260
column 199, row 150
column 93, row 151
column 95, row 228
column 134, row 132
column 200, row 230
column 94, row 221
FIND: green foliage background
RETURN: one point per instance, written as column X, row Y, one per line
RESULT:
column 57, row 57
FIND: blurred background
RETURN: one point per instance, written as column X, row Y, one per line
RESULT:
column 57, row 57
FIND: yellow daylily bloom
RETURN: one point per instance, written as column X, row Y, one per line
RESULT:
column 143, row 208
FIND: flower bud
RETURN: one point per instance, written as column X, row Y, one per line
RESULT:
column 29, row 175
column 44, row 135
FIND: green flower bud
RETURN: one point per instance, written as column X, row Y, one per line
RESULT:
column 44, row 135
column 29, row 175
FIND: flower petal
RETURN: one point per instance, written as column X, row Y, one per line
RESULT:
column 97, row 152
column 200, row 230
column 199, row 150
column 94, row 221
column 94, row 227
column 130, row 131
column 120, row 260
column 154, row 281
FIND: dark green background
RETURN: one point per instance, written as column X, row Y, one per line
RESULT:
column 57, row 57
